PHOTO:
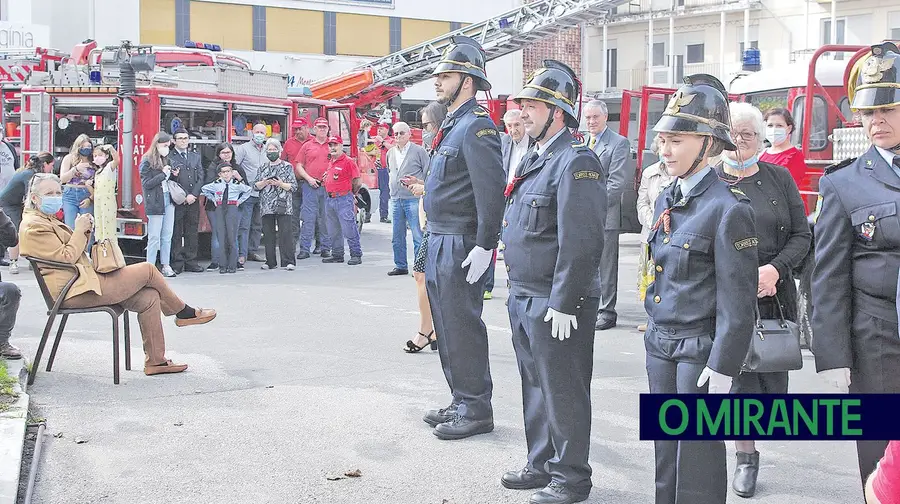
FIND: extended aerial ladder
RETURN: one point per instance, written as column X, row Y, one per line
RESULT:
column 380, row 80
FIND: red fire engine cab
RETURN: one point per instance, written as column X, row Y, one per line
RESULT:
column 124, row 95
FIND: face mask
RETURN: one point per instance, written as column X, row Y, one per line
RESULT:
column 163, row 151
column 85, row 151
column 737, row 165
column 50, row 205
column 259, row 138
column 776, row 135
column 99, row 160
column 273, row 156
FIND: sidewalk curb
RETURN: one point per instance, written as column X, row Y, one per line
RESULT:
column 12, row 435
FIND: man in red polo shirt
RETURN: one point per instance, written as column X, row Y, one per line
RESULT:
column 384, row 144
column 341, row 184
column 310, row 165
column 292, row 146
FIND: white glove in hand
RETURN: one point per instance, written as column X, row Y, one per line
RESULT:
column 562, row 324
column 718, row 383
column 478, row 261
column 838, row 378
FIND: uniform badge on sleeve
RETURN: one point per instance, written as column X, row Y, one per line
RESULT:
column 587, row 174
column 746, row 243
column 486, row 131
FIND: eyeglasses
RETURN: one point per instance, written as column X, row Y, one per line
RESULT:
column 401, row 133
column 746, row 136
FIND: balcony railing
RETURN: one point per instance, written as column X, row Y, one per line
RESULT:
column 637, row 7
column 634, row 78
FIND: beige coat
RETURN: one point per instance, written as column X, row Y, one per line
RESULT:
column 44, row 237
column 653, row 180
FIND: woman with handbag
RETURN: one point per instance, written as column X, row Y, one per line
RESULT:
column 275, row 182
column 784, row 239
column 138, row 287
column 158, row 201
column 700, row 304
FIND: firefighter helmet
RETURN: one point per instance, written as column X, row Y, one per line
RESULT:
column 464, row 55
column 699, row 107
column 555, row 84
column 877, row 81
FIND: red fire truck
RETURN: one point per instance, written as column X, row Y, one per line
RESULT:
column 15, row 66
column 125, row 95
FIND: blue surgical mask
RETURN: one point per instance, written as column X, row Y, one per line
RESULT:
column 259, row 138
column 776, row 135
column 50, row 205
column 85, row 151
column 737, row 165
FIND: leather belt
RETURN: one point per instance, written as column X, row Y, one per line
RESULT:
column 679, row 331
column 338, row 194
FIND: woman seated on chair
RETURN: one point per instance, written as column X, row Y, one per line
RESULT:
column 139, row 287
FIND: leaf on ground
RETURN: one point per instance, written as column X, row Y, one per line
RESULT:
column 79, row 440
column 270, row 386
column 178, row 424
column 58, row 435
column 334, row 478
column 355, row 473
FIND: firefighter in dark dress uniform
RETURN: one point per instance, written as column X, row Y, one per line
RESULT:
column 464, row 204
column 701, row 303
column 854, row 289
column 552, row 256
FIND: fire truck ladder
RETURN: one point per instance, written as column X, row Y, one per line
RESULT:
column 499, row 36
column 35, row 122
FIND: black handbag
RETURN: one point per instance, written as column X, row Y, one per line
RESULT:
column 775, row 346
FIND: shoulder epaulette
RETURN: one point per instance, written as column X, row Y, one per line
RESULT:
column 738, row 194
column 480, row 112
column 837, row 166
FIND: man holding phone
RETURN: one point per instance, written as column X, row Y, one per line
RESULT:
column 405, row 159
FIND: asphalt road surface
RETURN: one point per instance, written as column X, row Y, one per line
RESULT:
column 302, row 378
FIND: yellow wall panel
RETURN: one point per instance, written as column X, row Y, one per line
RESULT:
column 361, row 35
column 294, row 30
column 157, row 22
column 228, row 25
column 415, row 31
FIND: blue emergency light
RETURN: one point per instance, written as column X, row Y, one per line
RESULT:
column 200, row 45
column 504, row 23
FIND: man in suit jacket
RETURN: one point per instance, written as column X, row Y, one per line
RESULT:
column 405, row 159
column 187, row 216
column 514, row 146
column 613, row 150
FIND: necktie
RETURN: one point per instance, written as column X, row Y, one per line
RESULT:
column 521, row 169
column 184, row 156
column 592, row 143
column 676, row 197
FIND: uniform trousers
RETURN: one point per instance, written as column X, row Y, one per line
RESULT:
column 227, row 218
column 184, row 236
column 687, row 472
column 313, row 216
column 875, row 344
column 556, row 390
column 142, row 289
column 341, row 225
column 282, row 236
column 456, row 308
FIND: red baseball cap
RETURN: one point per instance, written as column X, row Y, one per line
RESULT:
column 335, row 139
column 300, row 122
column 321, row 122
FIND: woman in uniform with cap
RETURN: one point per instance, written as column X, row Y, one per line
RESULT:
column 703, row 245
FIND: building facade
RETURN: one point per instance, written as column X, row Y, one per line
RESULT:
column 308, row 40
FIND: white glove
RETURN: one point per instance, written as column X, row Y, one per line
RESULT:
column 838, row 378
column 718, row 383
column 478, row 261
column 563, row 324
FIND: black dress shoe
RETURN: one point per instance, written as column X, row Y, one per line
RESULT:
column 438, row 416
column 604, row 323
column 325, row 253
column 398, row 272
column 745, row 473
column 303, row 255
column 317, row 250
column 557, row 493
column 255, row 257
column 333, row 259
column 194, row 269
column 524, row 479
column 461, row 427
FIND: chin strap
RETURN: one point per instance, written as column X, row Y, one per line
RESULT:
column 697, row 161
column 546, row 125
column 455, row 94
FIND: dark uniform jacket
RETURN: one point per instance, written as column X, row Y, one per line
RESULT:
column 553, row 227
column 707, row 270
column 464, row 186
column 857, row 253
column 192, row 176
